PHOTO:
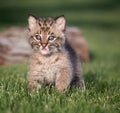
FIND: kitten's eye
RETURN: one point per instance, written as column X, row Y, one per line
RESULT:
column 38, row 37
column 51, row 38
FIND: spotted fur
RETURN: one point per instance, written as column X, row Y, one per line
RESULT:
column 53, row 61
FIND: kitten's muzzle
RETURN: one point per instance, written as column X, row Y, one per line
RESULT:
column 44, row 45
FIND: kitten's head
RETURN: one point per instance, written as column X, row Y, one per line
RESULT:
column 46, row 34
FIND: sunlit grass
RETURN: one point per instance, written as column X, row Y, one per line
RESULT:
column 100, row 23
column 101, row 76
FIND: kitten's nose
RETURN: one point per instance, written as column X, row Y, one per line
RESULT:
column 44, row 45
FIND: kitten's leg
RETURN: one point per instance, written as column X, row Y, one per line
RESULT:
column 30, row 84
column 34, row 82
column 63, row 79
column 79, row 81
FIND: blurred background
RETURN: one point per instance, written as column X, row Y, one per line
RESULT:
column 83, row 13
column 99, row 20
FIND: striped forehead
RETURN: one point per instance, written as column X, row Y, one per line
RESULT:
column 46, row 22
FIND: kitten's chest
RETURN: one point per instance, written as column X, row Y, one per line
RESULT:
column 49, row 71
column 49, row 68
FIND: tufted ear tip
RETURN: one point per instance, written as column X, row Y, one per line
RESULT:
column 31, row 21
column 61, row 22
column 62, row 16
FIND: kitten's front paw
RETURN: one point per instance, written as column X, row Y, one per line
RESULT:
column 61, row 86
column 34, row 85
column 30, row 86
column 81, row 85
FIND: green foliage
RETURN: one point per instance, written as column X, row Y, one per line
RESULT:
column 100, row 21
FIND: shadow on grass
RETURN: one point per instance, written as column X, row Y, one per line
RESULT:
column 10, row 16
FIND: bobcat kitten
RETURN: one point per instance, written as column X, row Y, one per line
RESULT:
column 53, row 61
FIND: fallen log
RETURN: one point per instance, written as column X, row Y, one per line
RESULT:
column 14, row 45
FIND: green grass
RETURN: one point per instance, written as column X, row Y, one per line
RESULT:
column 102, row 94
column 100, row 22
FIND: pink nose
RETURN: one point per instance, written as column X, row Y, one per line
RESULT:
column 44, row 45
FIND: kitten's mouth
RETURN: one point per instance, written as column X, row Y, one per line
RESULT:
column 44, row 50
column 48, row 50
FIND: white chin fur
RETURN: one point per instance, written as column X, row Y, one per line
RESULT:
column 44, row 51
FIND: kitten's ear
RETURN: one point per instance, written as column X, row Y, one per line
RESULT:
column 61, row 22
column 32, row 22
